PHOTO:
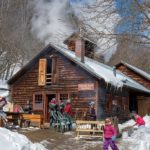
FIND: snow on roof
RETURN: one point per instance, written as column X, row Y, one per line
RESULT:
column 4, row 92
column 137, row 70
column 102, row 71
column 15, row 141
column 3, row 84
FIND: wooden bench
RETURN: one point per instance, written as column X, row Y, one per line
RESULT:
column 35, row 118
column 89, row 129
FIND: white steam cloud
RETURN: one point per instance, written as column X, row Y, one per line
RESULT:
column 52, row 20
column 100, row 19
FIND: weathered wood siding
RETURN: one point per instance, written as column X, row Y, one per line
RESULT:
column 89, row 48
column 71, row 45
column 113, row 102
column 69, row 76
column 143, row 105
column 143, row 102
column 137, row 77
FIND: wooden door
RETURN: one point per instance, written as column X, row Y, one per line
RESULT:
column 46, row 106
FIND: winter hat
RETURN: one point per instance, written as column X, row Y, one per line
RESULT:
column 68, row 101
column 53, row 101
column 92, row 103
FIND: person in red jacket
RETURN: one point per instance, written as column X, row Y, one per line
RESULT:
column 139, row 120
column 68, row 108
column 68, row 113
column 110, row 134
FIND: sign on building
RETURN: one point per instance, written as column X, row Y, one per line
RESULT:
column 86, row 86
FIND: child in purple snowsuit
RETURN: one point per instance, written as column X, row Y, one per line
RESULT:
column 109, row 135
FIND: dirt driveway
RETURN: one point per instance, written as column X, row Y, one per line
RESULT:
column 53, row 140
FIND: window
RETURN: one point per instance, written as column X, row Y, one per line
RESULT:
column 47, row 71
column 125, row 103
column 38, row 102
column 64, row 96
column 108, row 102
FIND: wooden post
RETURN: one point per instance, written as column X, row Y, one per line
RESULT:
column 97, row 98
column 1, row 122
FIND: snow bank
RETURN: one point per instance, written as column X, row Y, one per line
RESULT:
column 126, row 124
column 15, row 141
column 147, row 121
column 139, row 139
column 132, row 122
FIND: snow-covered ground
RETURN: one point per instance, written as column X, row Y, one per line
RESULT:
column 139, row 139
column 14, row 141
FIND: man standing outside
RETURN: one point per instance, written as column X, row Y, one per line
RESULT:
column 68, row 113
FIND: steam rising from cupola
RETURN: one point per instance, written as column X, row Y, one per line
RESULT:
column 81, row 46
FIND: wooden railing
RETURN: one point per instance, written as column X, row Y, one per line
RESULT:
column 49, row 78
column 88, row 129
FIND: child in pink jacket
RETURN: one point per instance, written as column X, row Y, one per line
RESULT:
column 109, row 135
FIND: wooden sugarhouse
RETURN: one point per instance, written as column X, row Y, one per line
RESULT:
column 73, row 74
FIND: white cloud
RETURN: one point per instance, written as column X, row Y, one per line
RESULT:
column 52, row 22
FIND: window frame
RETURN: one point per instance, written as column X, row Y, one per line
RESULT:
column 43, row 76
column 42, row 105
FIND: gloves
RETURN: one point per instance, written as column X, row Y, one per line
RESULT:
column 113, row 138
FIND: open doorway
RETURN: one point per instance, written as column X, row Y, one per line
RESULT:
column 133, row 106
column 48, row 99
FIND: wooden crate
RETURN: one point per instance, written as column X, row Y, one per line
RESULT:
column 89, row 129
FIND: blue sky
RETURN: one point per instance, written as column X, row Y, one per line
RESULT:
column 126, row 10
column 74, row 1
column 79, row 1
column 131, row 18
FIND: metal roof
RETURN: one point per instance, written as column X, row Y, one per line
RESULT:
column 97, row 69
column 89, row 64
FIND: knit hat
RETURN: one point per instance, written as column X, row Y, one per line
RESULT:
column 92, row 103
column 53, row 101
column 68, row 101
